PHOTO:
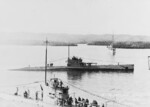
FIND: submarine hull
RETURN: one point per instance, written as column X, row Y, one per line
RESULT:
column 106, row 68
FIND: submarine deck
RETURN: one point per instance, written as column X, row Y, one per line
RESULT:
column 111, row 68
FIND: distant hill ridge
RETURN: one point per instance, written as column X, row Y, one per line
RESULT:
column 63, row 39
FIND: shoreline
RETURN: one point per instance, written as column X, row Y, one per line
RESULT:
column 124, row 45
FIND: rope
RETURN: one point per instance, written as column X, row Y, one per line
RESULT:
column 102, row 60
column 98, row 60
column 22, row 84
column 58, row 59
column 97, row 95
column 29, row 83
column 87, row 59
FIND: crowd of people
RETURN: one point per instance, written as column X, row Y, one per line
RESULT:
column 78, row 102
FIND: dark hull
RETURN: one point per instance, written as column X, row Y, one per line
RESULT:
column 107, row 68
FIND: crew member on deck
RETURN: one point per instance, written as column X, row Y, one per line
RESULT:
column 61, row 83
column 36, row 95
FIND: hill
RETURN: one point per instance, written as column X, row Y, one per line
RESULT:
column 120, row 40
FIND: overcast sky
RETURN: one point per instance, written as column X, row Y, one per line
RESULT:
column 76, row 16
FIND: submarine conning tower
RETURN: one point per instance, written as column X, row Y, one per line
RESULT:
column 75, row 62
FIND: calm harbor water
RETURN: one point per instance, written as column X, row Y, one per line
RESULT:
column 130, row 89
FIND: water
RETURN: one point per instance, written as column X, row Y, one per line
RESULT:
column 130, row 89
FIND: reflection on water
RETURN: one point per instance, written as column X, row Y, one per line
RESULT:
column 78, row 75
column 75, row 75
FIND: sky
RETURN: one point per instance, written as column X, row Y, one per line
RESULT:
column 76, row 16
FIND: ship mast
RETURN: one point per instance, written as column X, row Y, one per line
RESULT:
column 113, row 49
column 68, row 52
column 46, row 43
column 112, row 41
column 68, row 55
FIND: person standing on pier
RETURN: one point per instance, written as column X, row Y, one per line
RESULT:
column 41, row 92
